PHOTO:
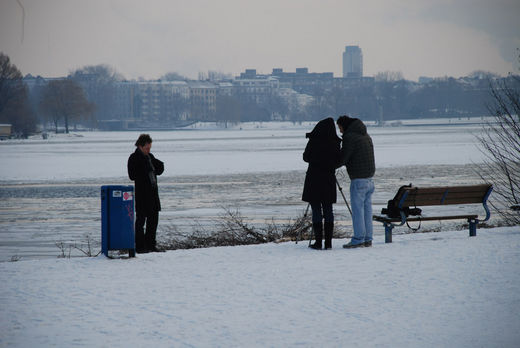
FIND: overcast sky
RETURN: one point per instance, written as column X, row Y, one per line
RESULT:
column 150, row 38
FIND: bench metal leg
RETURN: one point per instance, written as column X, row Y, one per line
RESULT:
column 473, row 228
column 388, row 233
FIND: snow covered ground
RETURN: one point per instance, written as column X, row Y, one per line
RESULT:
column 424, row 290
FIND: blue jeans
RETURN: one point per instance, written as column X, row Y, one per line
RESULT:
column 317, row 214
column 361, row 200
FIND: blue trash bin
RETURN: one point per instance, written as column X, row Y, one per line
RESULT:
column 117, row 219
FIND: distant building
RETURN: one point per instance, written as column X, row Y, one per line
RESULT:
column 148, row 103
column 248, row 74
column 352, row 62
column 157, row 99
column 304, row 82
column 203, row 99
column 124, row 107
column 352, row 82
column 34, row 82
column 225, row 88
column 254, row 87
column 295, row 101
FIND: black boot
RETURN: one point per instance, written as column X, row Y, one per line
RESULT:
column 329, row 228
column 318, row 235
column 140, row 244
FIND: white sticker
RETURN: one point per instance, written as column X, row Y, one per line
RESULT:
column 127, row 196
column 116, row 193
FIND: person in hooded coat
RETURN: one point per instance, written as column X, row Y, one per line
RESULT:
column 322, row 154
column 357, row 154
column 143, row 169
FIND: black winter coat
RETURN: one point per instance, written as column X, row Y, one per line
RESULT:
column 322, row 154
column 146, row 192
column 357, row 151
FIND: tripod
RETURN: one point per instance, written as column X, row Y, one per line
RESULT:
column 307, row 211
column 343, row 195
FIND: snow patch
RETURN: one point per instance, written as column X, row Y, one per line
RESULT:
column 427, row 290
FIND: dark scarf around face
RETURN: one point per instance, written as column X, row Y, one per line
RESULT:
column 150, row 169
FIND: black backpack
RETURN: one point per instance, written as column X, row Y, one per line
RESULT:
column 393, row 211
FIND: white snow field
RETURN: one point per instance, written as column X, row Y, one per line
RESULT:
column 424, row 290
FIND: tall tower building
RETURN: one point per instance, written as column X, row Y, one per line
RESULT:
column 352, row 62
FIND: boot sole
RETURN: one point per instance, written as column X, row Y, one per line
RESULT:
column 346, row 246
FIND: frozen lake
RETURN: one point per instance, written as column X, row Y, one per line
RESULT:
column 259, row 148
column 49, row 189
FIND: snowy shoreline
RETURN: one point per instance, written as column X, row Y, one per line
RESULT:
column 37, row 215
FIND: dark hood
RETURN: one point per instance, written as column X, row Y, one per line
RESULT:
column 356, row 126
column 324, row 129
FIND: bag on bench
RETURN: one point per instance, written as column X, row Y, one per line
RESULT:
column 393, row 211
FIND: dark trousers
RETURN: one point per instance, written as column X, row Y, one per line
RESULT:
column 146, row 241
column 318, row 214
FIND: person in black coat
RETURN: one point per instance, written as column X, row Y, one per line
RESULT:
column 322, row 153
column 143, row 169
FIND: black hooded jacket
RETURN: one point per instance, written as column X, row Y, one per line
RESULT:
column 322, row 154
column 144, row 170
column 357, row 151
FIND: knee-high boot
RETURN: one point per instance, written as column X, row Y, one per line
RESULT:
column 329, row 228
column 318, row 235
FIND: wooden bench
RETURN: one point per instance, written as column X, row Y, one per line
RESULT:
column 437, row 196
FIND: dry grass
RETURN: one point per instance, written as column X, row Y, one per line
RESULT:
column 232, row 229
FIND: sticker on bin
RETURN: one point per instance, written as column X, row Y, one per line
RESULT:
column 127, row 196
column 116, row 193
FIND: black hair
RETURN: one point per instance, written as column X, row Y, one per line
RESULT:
column 344, row 121
column 143, row 140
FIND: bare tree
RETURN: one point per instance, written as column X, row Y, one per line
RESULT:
column 14, row 102
column 10, row 82
column 483, row 74
column 173, row 76
column 389, row 76
column 218, row 75
column 228, row 110
column 101, row 73
column 65, row 99
column 99, row 83
column 500, row 141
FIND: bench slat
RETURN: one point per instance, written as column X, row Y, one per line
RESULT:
column 445, row 195
column 436, row 200
column 382, row 218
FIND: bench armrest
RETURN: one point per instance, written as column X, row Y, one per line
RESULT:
column 484, row 203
